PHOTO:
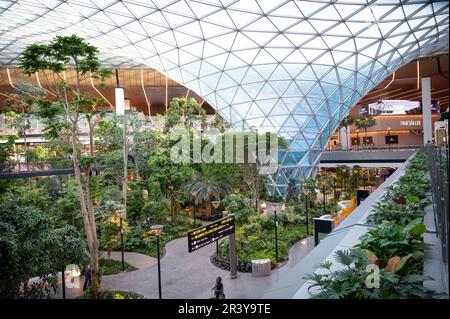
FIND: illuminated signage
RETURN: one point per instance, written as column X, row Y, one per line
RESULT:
column 205, row 235
column 411, row 123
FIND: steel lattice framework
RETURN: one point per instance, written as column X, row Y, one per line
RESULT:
column 290, row 67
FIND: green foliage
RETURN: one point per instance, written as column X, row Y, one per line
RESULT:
column 49, row 110
column 109, row 136
column 184, row 111
column 134, row 240
column 146, row 143
column 207, row 184
column 112, row 267
column 110, row 233
column 56, row 55
column 256, row 239
column 394, row 245
column 239, row 205
column 324, row 183
column 66, row 208
column 350, row 281
column 156, row 207
column 31, row 245
column 35, row 197
column 365, row 122
column 390, row 240
column 112, row 294
column 347, row 121
column 406, row 200
column 292, row 192
column 6, row 149
column 87, row 161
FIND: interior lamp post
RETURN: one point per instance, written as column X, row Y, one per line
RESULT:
column 307, row 192
column 121, row 215
column 157, row 230
column 194, row 193
column 389, row 138
column 276, row 207
column 215, row 204
column 324, row 199
column 357, row 137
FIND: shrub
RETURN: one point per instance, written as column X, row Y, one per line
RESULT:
column 350, row 281
column 240, row 206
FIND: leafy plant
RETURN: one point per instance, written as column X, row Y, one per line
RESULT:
column 349, row 282
column 239, row 205
column 389, row 240
column 111, row 267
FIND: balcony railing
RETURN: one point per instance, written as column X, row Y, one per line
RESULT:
column 364, row 148
column 35, row 166
column 438, row 169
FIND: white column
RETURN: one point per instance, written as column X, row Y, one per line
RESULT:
column 347, row 136
column 120, row 101
column 426, row 110
column 342, row 137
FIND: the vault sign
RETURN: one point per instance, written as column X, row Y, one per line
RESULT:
column 205, row 235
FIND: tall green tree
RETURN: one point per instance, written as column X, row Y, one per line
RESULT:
column 186, row 112
column 292, row 192
column 208, row 184
column 32, row 246
column 325, row 185
column 170, row 176
column 345, row 123
column 364, row 123
column 61, row 53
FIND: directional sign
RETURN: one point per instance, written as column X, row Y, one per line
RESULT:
column 205, row 235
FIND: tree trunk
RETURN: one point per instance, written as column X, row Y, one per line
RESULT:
column 174, row 205
column 208, row 208
column 136, row 161
column 136, row 164
column 92, row 224
column 91, row 236
column 257, row 190
column 91, row 138
column 365, row 139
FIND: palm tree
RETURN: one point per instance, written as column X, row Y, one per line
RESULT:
column 346, row 122
column 356, row 176
column 364, row 123
column 206, row 184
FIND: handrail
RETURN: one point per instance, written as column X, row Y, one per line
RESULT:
column 438, row 172
column 34, row 166
column 376, row 148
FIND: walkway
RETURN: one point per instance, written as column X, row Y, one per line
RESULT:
column 192, row 275
column 433, row 263
column 137, row 260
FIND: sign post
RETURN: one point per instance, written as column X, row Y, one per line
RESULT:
column 233, row 257
column 205, row 235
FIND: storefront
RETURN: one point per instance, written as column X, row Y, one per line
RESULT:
column 397, row 123
column 391, row 130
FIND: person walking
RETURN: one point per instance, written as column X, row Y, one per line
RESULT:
column 87, row 276
column 218, row 289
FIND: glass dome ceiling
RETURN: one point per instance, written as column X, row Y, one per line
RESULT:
column 290, row 67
